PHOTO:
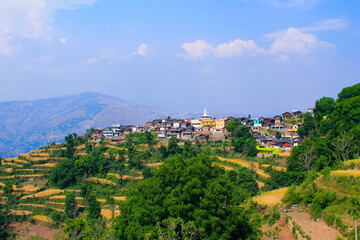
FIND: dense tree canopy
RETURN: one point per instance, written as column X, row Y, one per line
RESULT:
column 333, row 134
column 241, row 138
column 186, row 196
column 3, row 223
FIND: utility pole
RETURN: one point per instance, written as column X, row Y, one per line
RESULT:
column 356, row 238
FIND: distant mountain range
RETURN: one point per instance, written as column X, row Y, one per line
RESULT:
column 28, row 125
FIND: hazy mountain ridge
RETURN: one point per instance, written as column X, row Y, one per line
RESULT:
column 27, row 125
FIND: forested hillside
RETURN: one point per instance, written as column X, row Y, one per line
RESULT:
column 151, row 189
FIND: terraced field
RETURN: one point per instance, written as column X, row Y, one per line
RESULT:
column 247, row 165
column 271, row 198
column 37, row 200
column 346, row 173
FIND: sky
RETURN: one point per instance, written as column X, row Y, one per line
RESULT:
column 260, row 57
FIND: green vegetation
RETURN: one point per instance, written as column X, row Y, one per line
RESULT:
column 335, row 199
column 332, row 136
column 241, row 138
column 70, row 205
column 186, row 197
column 181, row 190
column 93, row 207
column 3, row 222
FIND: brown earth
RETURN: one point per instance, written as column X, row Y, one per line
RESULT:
column 284, row 232
column 317, row 230
column 25, row 230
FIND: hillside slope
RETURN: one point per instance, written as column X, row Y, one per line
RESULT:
column 27, row 125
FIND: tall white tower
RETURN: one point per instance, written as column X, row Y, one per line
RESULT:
column 205, row 116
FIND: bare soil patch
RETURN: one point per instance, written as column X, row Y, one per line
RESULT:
column 26, row 230
column 315, row 229
column 283, row 232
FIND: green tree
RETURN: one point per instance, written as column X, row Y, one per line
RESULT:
column 230, row 127
column 185, row 194
column 88, row 147
column 308, row 126
column 189, row 150
column 63, row 175
column 172, row 228
column 8, row 189
column 74, row 229
column 71, row 205
column 242, row 140
column 163, row 151
column 146, row 172
column 93, row 210
column 3, row 222
column 323, row 107
column 149, row 138
column 86, row 189
column 349, row 92
column 70, row 146
column 343, row 145
column 173, row 147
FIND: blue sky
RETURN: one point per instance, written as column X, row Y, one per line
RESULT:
column 245, row 56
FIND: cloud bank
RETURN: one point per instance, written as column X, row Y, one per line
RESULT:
column 199, row 49
column 284, row 43
column 30, row 19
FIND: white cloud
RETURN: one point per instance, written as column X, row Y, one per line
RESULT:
column 199, row 49
column 330, row 24
column 284, row 43
column 195, row 50
column 142, row 50
column 63, row 40
column 32, row 19
column 294, row 41
column 302, row 40
column 236, row 48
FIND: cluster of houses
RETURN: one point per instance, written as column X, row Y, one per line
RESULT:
column 208, row 128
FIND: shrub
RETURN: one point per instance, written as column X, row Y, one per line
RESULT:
column 56, row 216
column 330, row 219
column 321, row 201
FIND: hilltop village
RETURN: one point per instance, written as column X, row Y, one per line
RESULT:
column 272, row 134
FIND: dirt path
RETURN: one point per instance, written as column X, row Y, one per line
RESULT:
column 316, row 230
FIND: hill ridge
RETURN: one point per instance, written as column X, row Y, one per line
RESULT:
column 28, row 124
